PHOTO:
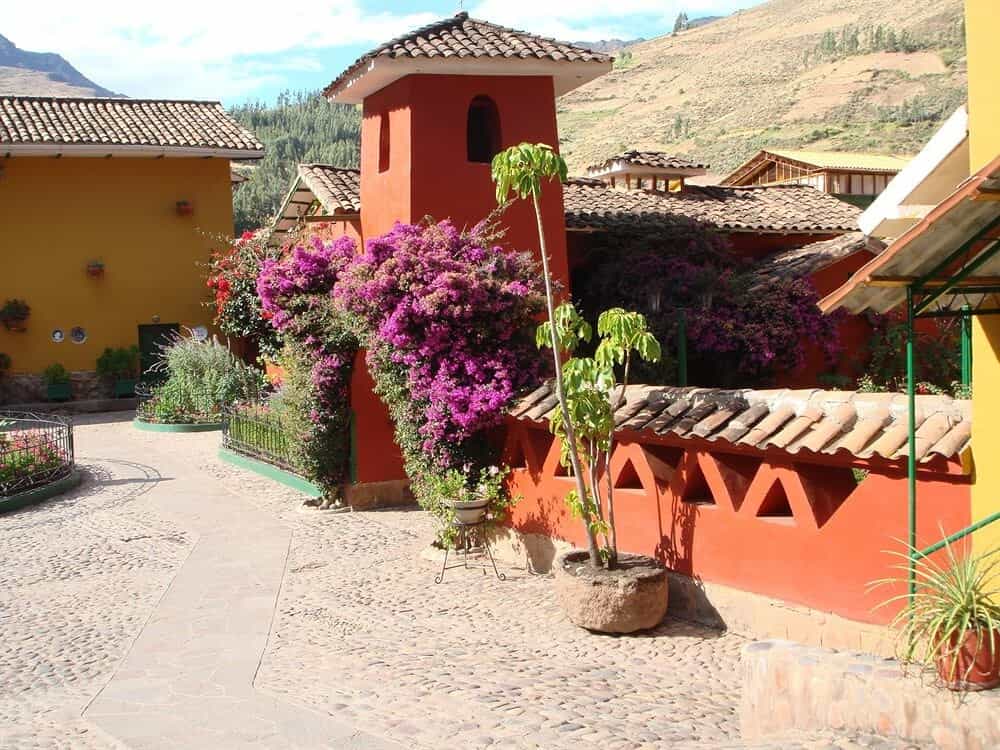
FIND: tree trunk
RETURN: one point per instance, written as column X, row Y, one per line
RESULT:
column 581, row 485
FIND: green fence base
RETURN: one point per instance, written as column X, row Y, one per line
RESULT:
column 163, row 427
column 37, row 495
column 265, row 469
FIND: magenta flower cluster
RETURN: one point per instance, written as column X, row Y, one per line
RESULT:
column 456, row 313
column 295, row 294
column 300, row 281
column 765, row 329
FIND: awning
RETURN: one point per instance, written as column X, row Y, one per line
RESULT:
column 950, row 259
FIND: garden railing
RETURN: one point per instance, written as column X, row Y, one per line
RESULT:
column 255, row 430
column 35, row 450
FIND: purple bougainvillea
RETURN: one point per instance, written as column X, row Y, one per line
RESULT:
column 294, row 293
column 455, row 314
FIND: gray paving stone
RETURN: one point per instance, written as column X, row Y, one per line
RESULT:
column 180, row 597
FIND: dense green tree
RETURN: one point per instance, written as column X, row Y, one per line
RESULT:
column 301, row 126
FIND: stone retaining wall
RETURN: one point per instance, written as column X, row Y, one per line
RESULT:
column 20, row 388
column 788, row 686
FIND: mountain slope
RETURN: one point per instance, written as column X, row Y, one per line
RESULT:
column 42, row 74
column 863, row 75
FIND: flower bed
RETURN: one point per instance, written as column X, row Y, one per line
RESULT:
column 203, row 378
column 36, row 451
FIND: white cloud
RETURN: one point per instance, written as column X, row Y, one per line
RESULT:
column 196, row 48
column 224, row 49
column 590, row 20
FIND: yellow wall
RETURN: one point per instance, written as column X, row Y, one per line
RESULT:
column 982, row 23
column 56, row 215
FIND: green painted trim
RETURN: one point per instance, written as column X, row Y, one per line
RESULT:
column 37, row 495
column 163, row 427
column 958, row 535
column 265, row 469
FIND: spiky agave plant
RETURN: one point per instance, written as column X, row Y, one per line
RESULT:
column 952, row 599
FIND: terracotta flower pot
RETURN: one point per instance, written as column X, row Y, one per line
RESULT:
column 16, row 324
column 631, row 597
column 974, row 651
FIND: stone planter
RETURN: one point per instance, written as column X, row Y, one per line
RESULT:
column 471, row 512
column 976, row 651
column 631, row 597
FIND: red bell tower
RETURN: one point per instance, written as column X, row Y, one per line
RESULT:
column 438, row 104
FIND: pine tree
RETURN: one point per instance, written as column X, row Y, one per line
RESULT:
column 300, row 127
column 682, row 23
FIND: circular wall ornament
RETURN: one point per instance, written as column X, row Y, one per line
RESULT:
column 78, row 334
column 200, row 333
column 57, row 335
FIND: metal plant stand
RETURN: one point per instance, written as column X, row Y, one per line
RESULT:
column 464, row 546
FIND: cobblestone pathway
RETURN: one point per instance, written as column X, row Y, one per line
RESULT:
column 361, row 632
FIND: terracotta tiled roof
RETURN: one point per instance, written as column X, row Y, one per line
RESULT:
column 785, row 208
column 338, row 189
column 462, row 37
column 654, row 159
column 863, row 425
column 808, row 259
column 34, row 121
column 967, row 220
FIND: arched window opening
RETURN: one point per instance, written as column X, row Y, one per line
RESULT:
column 483, row 130
column 383, row 142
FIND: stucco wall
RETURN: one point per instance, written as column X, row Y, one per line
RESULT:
column 982, row 25
column 56, row 215
column 797, row 528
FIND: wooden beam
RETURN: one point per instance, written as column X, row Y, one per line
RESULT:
column 891, row 282
column 331, row 217
column 987, row 194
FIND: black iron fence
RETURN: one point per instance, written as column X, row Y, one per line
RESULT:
column 255, row 430
column 35, row 450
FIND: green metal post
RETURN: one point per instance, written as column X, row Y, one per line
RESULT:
column 966, row 345
column 682, row 348
column 911, row 458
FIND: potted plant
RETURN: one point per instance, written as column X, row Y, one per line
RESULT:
column 57, row 383
column 121, row 368
column 184, row 208
column 14, row 313
column 599, row 589
column 953, row 620
column 95, row 269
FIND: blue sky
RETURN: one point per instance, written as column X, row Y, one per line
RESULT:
column 234, row 51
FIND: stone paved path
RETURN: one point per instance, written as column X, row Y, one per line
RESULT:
column 190, row 604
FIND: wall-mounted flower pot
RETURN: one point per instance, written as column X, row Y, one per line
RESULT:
column 58, row 392
column 184, row 208
column 13, row 324
column 125, row 388
column 95, row 270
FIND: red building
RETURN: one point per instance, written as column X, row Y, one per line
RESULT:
column 440, row 102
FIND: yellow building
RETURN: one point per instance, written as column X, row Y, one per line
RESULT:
column 982, row 23
column 108, row 208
